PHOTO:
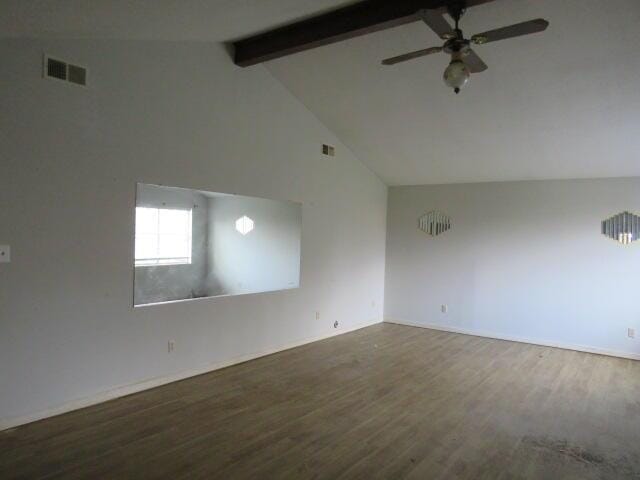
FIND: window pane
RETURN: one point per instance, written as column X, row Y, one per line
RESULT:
column 146, row 246
column 177, row 222
column 146, row 220
column 163, row 236
column 173, row 246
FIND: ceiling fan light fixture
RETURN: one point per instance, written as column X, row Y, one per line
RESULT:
column 479, row 39
column 464, row 60
column 456, row 75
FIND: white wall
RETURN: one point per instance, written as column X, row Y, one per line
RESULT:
column 165, row 113
column 523, row 260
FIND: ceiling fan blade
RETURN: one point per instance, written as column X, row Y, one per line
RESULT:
column 474, row 62
column 411, row 56
column 436, row 22
column 524, row 28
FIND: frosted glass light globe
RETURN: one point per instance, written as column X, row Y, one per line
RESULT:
column 456, row 75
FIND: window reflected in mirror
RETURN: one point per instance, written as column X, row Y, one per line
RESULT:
column 195, row 244
column 163, row 236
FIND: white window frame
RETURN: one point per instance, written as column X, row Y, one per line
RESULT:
column 160, row 261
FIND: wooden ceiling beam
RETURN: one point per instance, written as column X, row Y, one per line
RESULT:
column 361, row 18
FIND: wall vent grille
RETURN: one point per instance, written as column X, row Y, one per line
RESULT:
column 61, row 70
column 56, row 69
column 76, row 74
column 329, row 150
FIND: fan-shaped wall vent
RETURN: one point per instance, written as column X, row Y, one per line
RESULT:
column 434, row 223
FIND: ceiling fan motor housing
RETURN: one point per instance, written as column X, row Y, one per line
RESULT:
column 457, row 46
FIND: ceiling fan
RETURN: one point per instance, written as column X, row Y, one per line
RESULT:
column 464, row 61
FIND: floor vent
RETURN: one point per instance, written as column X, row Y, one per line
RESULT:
column 329, row 150
column 60, row 70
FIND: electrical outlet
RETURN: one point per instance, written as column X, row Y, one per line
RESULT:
column 444, row 308
column 631, row 332
column 335, row 324
column 5, row 254
column 317, row 315
column 171, row 346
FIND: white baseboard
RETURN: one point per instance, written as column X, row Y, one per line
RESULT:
column 121, row 391
column 511, row 338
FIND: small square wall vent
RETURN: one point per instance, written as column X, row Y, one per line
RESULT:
column 56, row 69
column 329, row 150
column 61, row 70
column 76, row 74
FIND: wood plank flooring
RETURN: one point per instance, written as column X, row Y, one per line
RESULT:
column 385, row 402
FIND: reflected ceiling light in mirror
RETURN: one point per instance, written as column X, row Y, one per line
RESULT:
column 244, row 225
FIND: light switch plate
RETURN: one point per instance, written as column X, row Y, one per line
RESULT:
column 5, row 254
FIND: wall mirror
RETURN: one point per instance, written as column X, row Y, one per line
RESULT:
column 193, row 244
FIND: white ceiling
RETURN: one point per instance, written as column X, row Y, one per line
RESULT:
column 564, row 103
column 177, row 20
column 561, row 104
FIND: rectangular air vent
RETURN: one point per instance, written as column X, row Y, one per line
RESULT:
column 56, row 69
column 76, row 74
column 60, row 70
column 329, row 150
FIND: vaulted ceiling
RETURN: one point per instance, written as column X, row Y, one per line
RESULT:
column 561, row 104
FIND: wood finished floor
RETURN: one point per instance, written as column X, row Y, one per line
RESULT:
column 387, row 402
